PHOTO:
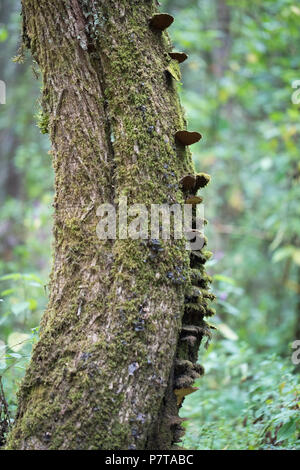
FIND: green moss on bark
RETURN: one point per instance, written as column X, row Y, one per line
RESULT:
column 102, row 373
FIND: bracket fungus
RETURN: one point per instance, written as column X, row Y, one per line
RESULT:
column 179, row 56
column 202, row 180
column 161, row 21
column 187, row 138
column 182, row 392
column 194, row 200
column 194, row 182
column 188, row 182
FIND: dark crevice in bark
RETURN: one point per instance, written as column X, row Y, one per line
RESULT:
column 87, row 13
column 25, row 37
column 96, row 60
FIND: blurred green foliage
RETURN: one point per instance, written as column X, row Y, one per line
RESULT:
column 237, row 88
column 26, row 193
column 247, row 401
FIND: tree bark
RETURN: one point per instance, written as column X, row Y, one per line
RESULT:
column 110, row 353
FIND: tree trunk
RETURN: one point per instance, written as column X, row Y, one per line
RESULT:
column 103, row 371
column 221, row 53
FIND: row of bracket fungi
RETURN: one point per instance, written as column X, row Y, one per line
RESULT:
column 160, row 22
column 198, row 298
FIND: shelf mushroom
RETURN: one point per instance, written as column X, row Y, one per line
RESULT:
column 182, row 392
column 202, row 180
column 161, row 21
column 187, row 138
column 194, row 200
column 188, row 182
column 191, row 183
column 179, row 56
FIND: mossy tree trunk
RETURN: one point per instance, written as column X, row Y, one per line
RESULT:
column 103, row 371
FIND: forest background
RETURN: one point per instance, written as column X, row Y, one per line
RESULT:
column 238, row 88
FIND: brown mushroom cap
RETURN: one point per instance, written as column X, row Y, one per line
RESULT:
column 188, row 182
column 194, row 200
column 161, row 21
column 182, row 392
column 187, row 138
column 179, row 56
column 202, row 179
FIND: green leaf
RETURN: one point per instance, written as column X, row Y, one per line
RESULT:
column 282, row 253
column 3, row 34
column 32, row 304
column 15, row 355
column 7, row 292
column 287, row 430
column 296, row 257
column 227, row 332
column 16, row 340
column 14, row 277
column 228, row 280
column 20, row 307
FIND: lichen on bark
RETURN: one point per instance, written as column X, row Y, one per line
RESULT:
column 97, row 379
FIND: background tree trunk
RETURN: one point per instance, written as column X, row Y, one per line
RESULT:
column 103, row 372
column 221, row 53
column 10, row 178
